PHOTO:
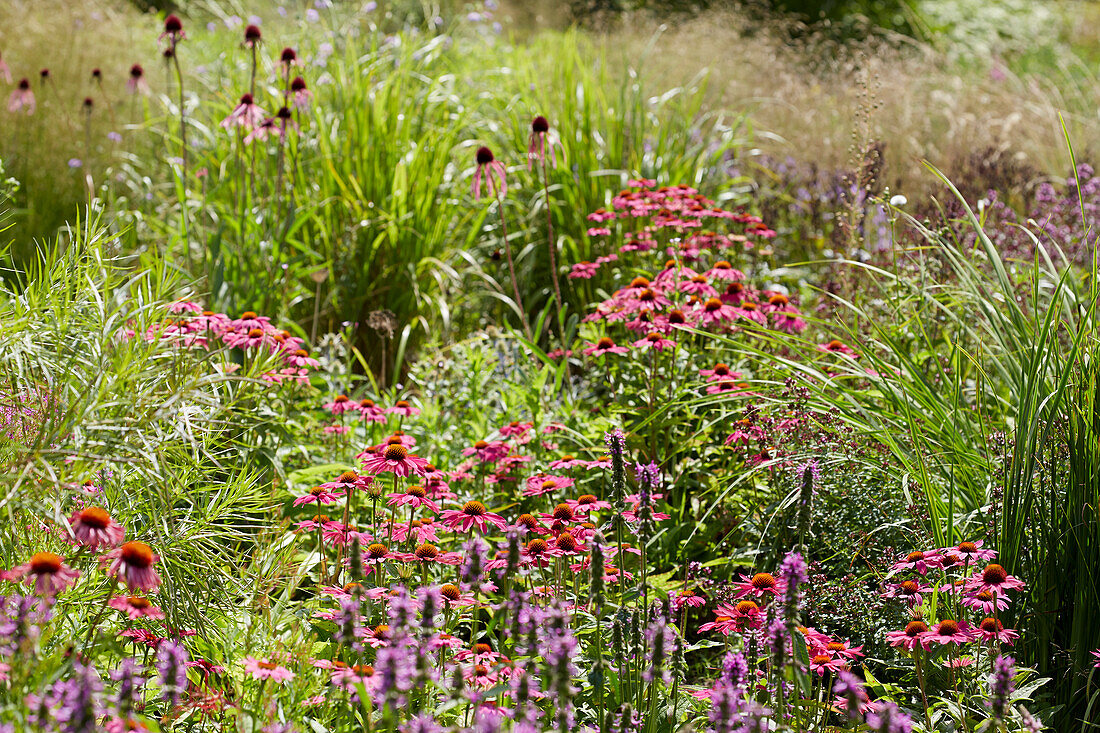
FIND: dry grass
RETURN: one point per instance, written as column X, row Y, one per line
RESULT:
column 822, row 103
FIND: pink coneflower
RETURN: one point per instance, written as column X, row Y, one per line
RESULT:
column 489, row 169
column 136, row 83
column 252, row 35
column 583, row 270
column 841, row 649
column 699, row 286
column 913, row 635
column 173, row 29
column 95, row 528
column 719, row 372
column 415, row 497
column 453, row 596
column 910, row 591
column 22, row 99
column 46, row 571
column 539, row 485
column 249, row 339
column 246, row 115
column 371, row 412
column 348, row 482
column 261, row 131
column 263, row 669
column 319, row 495
column 352, row 677
column 1096, row 655
column 421, row 530
column 588, row 503
column 301, row 93
column 132, row 564
column 403, row 408
column 340, row 404
column 473, row 513
column 568, row 461
column 654, row 340
column 918, row 561
column 136, row 607
column 516, row 429
column 949, row 631
column 787, row 322
column 985, row 601
column 723, row 270
column 605, row 346
column 837, row 347
column 760, row 586
column 822, row 663
column 992, row 629
column 687, row 598
column 971, row 552
column 995, row 579
column 487, row 451
column 540, row 142
column 427, row 552
column 394, row 459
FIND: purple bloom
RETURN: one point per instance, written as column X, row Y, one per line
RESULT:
column 422, row 723
column 735, row 670
column 472, row 566
column 129, row 687
column 172, row 667
column 889, row 719
column 76, row 700
column 660, row 645
column 1001, row 685
column 849, row 687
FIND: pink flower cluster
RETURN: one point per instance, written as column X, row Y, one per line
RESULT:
column 966, row 583
column 193, row 327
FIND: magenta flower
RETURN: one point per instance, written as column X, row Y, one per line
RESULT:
column 22, row 99
column 414, row 497
column 403, row 408
column 913, row 635
column 994, row 579
column 319, row 495
column 540, row 142
column 588, row 503
column 654, row 340
column 132, row 565
column 246, row 115
column 136, row 607
column 394, row 459
column 760, row 586
column 340, row 404
column 837, row 347
column 986, row 601
column 542, row 484
column 371, row 412
column 487, row 451
column 136, row 83
column 918, row 561
column 94, row 528
column 992, row 629
column 473, row 513
column 950, row 631
column 263, row 669
column 822, row 663
column 301, row 93
column 583, row 270
column 46, row 571
column 489, row 169
column 605, row 346
column 723, row 270
column 971, row 552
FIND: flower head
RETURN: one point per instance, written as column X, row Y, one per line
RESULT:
column 94, row 528
column 132, row 564
column 489, row 169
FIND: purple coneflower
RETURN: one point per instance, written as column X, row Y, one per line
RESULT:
column 95, row 528
column 132, row 565
column 489, row 168
column 22, row 99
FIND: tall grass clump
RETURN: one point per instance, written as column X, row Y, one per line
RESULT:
column 982, row 385
column 96, row 409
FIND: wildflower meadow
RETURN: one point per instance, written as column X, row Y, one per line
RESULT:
column 464, row 367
